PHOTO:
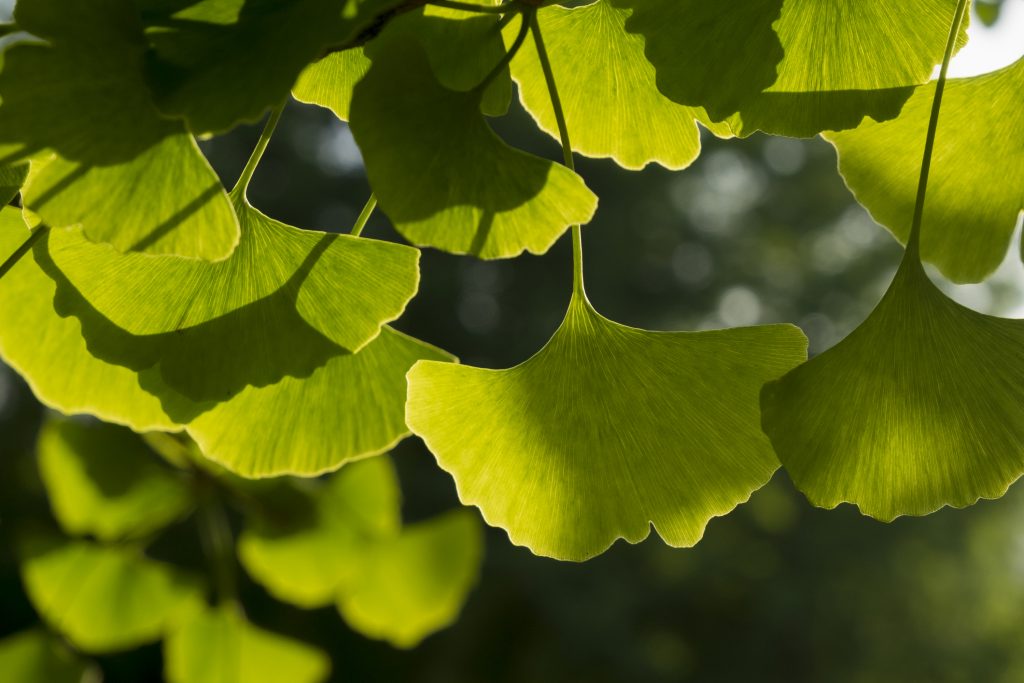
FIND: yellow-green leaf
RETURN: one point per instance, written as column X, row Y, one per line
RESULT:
column 606, row 431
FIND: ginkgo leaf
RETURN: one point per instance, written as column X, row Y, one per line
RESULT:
column 606, row 430
column 106, row 159
column 441, row 174
column 221, row 646
column 103, row 480
column 350, row 408
column 36, row 656
column 49, row 352
column 218, row 62
column 792, row 68
column 106, row 598
column 918, row 408
column 461, row 48
column 329, row 82
column 12, row 177
column 607, row 88
column 318, row 295
column 977, row 172
column 306, row 563
column 411, row 585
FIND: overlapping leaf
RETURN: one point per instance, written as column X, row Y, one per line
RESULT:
column 792, row 68
column 606, row 430
column 607, row 88
column 105, row 599
column 413, row 584
column 103, row 481
column 313, row 295
column 977, row 176
column 461, row 48
column 33, row 656
column 11, row 179
column 441, row 174
column 218, row 62
column 918, row 408
column 308, row 562
column 307, row 409
column 389, row 583
column 221, row 646
column 107, row 160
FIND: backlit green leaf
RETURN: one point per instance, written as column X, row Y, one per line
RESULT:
column 607, row 87
column 977, row 173
column 105, row 599
column 37, row 657
column 606, row 430
column 406, row 587
column 350, row 408
column 307, row 563
column 329, row 81
column 315, row 295
column 48, row 350
column 792, row 68
column 918, row 408
column 218, row 62
column 106, row 160
column 441, row 174
column 11, row 179
column 103, row 480
column 221, row 646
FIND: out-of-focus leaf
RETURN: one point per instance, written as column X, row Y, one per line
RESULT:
column 221, row 646
column 106, row 598
column 308, row 562
column 103, row 480
column 606, row 431
column 409, row 586
column 37, row 657
column 12, row 177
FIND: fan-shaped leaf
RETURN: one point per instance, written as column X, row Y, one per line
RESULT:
column 36, row 656
column 316, row 296
column 350, row 408
column 220, row 646
column 918, row 408
column 11, row 179
column 607, row 88
column 977, row 175
column 107, row 160
column 103, row 480
column 218, row 62
column 105, row 599
column 792, row 68
column 406, row 587
column 329, row 82
column 308, row 562
column 444, row 178
column 606, row 430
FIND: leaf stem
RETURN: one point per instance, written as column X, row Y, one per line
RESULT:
column 563, row 136
column 520, row 38
column 471, row 7
column 25, row 247
column 914, row 241
column 242, row 184
column 215, row 533
column 364, row 215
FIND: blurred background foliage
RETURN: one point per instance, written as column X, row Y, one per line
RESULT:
column 757, row 231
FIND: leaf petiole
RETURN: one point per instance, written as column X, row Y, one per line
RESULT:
column 524, row 28
column 250, row 166
column 364, row 215
column 914, row 241
column 563, row 136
